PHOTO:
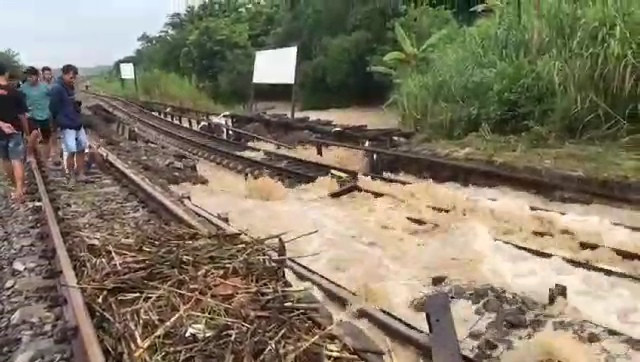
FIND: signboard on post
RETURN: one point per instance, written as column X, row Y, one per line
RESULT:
column 127, row 71
column 276, row 66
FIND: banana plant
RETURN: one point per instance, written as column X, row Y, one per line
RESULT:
column 409, row 55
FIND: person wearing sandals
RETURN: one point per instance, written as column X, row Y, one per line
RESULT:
column 66, row 116
column 13, row 124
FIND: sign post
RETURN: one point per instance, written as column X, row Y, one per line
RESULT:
column 276, row 66
column 127, row 71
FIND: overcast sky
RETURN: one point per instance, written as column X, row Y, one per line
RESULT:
column 81, row 32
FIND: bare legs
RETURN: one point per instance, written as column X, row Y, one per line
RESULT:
column 32, row 144
column 18, row 177
column 76, row 163
column 54, row 150
column 70, row 163
column 80, row 163
column 15, row 172
column 8, row 169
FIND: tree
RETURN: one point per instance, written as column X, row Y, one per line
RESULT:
column 11, row 59
column 213, row 44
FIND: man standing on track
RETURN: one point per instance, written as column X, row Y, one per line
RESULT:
column 66, row 115
column 13, row 120
column 54, row 157
column 37, row 97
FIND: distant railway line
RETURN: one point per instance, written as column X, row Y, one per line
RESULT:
column 390, row 157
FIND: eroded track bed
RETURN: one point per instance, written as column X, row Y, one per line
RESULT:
column 158, row 290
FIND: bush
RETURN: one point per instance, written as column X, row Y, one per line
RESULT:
column 569, row 68
column 339, row 76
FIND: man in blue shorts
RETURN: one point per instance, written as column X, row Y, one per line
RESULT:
column 13, row 121
column 37, row 97
column 65, row 111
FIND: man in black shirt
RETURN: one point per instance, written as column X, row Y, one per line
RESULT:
column 13, row 127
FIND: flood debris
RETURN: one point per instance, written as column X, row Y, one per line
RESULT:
column 158, row 291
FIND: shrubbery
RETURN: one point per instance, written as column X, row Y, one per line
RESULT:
column 159, row 86
column 568, row 69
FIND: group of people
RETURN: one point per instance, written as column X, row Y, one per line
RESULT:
column 41, row 110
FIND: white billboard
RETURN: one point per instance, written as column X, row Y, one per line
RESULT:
column 275, row 66
column 127, row 71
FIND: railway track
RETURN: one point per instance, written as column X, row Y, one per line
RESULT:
column 180, row 136
column 44, row 316
column 281, row 125
column 377, row 154
column 288, row 169
column 585, row 246
column 181, row 113
column 560, row 186
column 412, row 338
column 122, row 289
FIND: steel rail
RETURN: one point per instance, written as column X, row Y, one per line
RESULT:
column 86, row 345
column 211, row 147
column 536, row 182
column 533, row 181
column 239, row 146
column 384, row 320
column 342, row 297
column 624, row 254
column 279, row 161
column 387, row 322
column 151, row 191
column 319, row 141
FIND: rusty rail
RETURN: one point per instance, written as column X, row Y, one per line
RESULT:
column 385, row 321
column 86, row 346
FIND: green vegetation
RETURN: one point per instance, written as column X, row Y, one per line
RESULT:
column 566, row 69
column 158, row 86
column 512, row 73
column 11, row 59
column 214, row 46
column 563, row 68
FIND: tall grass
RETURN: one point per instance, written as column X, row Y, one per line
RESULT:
column 161, row 87
column 568, row 69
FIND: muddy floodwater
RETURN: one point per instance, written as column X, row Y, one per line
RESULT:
column 370, row 246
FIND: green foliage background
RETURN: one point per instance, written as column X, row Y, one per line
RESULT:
column 213, row 46
column 550, row 69
column 11, row 59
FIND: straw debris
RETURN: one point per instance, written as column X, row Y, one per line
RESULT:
column 175, row 296
column 160, row 292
